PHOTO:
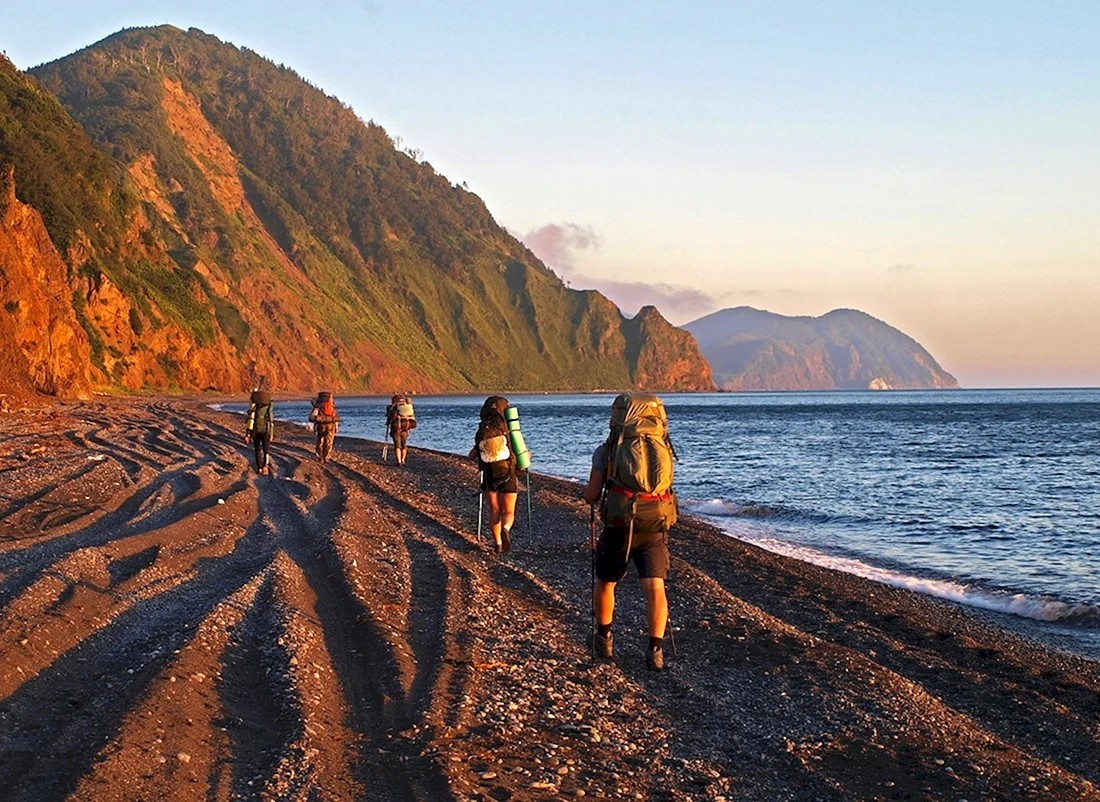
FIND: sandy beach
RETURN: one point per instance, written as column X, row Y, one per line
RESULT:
column 175, row 626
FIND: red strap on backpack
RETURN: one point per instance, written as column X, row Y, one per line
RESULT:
column 622, row 491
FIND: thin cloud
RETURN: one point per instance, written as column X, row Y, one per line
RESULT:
column 557, row 244
column 901, row 268
column 674, row 302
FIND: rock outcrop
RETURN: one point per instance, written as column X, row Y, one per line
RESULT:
column 43, row 347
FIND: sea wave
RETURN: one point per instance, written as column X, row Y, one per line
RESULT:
column 1039, row 608
column 718, row 508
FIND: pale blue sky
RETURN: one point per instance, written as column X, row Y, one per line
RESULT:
column 935, row 164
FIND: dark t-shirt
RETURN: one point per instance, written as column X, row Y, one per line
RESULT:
column 599, row 459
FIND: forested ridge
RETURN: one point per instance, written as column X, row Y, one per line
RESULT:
column 261, row 228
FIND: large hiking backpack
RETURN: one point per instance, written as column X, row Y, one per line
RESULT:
column 403, row 414
column 638, row 487
column 324, row 410
column 261, row 421
column 492, row 437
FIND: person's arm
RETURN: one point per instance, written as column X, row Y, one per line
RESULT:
column 594, row 489
column 475, row 452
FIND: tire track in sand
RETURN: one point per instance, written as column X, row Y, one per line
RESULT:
column 54, row 724
column 362, row 659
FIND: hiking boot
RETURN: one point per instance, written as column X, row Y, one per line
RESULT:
column 601, row 645
column 498, row 547
column 655, row 659
column 505, row 541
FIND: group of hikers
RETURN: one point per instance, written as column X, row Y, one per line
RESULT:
column 630, row 483
column 260, row 426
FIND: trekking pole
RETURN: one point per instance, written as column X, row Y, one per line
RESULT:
column 668, row 620
column 592, row 598
column 530, row 530
column 480, row 500
column 669, row 629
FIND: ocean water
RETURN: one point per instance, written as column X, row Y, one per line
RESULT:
column 987, row 498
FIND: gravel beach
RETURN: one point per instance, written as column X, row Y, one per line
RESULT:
column 175, row 626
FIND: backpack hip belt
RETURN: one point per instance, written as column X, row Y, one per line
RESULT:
column 640, row 496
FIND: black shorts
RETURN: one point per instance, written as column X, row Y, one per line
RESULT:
column 648, row 552
column 499, row 480
column 400, row 439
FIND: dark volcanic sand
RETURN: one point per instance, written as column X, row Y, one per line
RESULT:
column 175, row 626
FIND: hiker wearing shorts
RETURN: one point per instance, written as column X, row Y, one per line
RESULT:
column 399, row 425
column 642, row 538
column 497, row 465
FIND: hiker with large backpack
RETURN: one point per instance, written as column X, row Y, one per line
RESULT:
column 400, row 420
column 326, row 423
column 631, row 480
column 260, row 428
column 497, row 466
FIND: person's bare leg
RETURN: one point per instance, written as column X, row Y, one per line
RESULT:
column 494, row 515
column 603, row 608
column 656, row 604
column 508, row 515
column 603, row 602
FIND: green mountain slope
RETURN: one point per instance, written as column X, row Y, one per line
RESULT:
column 276, row 234
column 750, row 349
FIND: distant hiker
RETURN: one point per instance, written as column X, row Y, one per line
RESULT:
column 498, row 470
column 631, row 479
column 400, row 420
column 260, row 428
column 326, row 423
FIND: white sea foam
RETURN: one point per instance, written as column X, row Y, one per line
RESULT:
column 716, row 507
column 1020, row 604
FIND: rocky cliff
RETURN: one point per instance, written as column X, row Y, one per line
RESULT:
column 43, row 347
column 750, row 349
column 243, row 224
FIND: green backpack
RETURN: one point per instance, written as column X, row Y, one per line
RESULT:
column 261, row 419
column 638, row 489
